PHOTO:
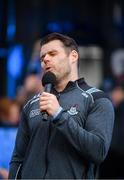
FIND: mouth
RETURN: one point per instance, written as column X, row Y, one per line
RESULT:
column 48, row 69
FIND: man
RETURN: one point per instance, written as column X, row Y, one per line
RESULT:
column 76, row 136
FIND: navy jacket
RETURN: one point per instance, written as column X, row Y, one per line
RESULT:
column 70, row 146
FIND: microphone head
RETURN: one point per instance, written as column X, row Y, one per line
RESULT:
column 49, row 78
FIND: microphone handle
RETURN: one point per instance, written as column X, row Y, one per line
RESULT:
column 46, row 89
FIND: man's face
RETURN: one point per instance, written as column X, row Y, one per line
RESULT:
column 54, row 58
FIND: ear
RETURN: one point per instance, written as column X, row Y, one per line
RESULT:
column 74, row 56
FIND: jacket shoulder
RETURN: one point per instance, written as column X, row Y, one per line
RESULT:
column 94, row 92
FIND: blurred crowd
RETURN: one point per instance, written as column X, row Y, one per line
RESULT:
column 112, row 167
column 10, row 111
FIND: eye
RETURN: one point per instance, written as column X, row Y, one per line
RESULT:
column 53, row 53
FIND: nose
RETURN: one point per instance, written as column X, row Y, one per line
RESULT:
column 46, row 58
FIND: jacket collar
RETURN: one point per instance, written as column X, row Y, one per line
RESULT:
column 71, row 85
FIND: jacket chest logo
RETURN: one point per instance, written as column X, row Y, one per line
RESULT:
column 73, row 111
column 34, row 113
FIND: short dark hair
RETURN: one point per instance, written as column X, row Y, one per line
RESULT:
column 67, row 41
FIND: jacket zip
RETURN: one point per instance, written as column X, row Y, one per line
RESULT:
column 17, row 171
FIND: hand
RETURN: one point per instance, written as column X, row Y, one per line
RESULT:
column 49, row 103
column 4, row 173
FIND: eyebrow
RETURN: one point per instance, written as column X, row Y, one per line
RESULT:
column 51, row 51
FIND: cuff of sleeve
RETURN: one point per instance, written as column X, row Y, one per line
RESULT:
column 57, row 114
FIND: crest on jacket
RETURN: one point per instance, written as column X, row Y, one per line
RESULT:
column 73, row 110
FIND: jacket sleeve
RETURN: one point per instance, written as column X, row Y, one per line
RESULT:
column 92, row 141
column 21, row 143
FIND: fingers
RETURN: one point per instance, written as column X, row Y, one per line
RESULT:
column 45, row 95
column 49, row 103
column 45, row 104
column 46, row 98
column 46, row 101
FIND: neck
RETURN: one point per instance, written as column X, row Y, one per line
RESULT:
column 63, row 83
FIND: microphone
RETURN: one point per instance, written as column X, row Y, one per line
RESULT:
column 48, row 80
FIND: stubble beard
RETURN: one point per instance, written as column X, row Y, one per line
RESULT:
column 63, row 78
